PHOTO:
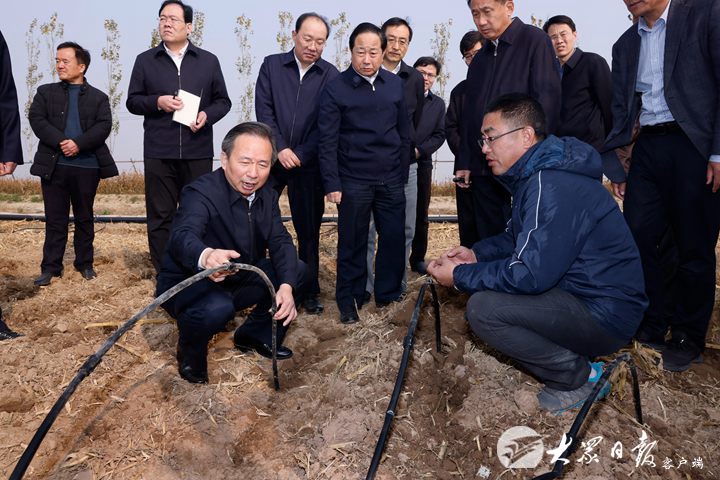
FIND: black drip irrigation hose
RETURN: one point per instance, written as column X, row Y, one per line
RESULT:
column 407, row 348
column 94, row 359
column 575, row 428
column 129, row 219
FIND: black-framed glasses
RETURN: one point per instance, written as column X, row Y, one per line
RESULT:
column 483, row 140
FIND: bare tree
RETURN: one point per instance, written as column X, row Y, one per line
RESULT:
column 111, row 54
column 340, row 37
column 53, row 31
column 243, row 31
column 284, row 36
column 155, row 38
column 439, row 47
column 32, row 80
column 196, row 36
column 537, row 21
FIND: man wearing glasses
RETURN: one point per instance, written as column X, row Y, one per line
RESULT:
column 175, row 154
column 563, row 283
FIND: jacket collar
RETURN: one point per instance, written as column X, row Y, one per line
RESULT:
column 288, row 60
column 511, row 33
column 356, row 79
column 83, row 87
column 161, row 49
column 574, row 59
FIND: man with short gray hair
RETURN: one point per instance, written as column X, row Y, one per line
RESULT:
column 224, row 216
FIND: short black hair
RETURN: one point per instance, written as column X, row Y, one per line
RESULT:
column 256, row 129
column 425, row 61
column 397, row 22
column 367, row 27
column 301, row 19
column 468, row 41
column 559, row 20
column 520, row 110
column 82, row 55
column 187, row 9
column 501, row 2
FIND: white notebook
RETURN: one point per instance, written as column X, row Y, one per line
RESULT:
column 191, row 106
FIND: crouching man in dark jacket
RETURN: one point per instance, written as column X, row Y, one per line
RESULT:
column 563, row 283
column 72, row 119
column 227, row 215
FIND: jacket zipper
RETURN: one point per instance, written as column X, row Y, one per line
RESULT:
column 179, row 124
column 251, row 230
column 297, row 100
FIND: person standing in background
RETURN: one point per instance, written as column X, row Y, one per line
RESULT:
column 175, row 154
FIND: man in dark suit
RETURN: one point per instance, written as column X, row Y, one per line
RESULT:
column 223, row 216
column 430, row 135
column 364, row 144
column 586, row 85
column 666, row 76
column 10, row 146
column 468, row 231
column 516, row 58
column 399, row 34
column 286, row 99
column 175, row 154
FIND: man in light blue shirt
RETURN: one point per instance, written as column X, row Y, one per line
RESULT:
column 666, row 78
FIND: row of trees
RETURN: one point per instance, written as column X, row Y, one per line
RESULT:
column 42, row 38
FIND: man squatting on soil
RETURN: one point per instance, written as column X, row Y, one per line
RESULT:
column 10, row 146
column 563, row 282
column 223, row 216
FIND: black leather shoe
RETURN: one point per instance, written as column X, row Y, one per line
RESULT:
column 88, row 273
column 656, row 342
column 313, row 306
column 349, row 316
column 246, row 344
column 191, row 374
column 680, row 353
column 419, row 267
column 5, row 332
column 385, row 304
column 366, row 298
column 45, row 278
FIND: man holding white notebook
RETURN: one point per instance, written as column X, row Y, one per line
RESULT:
column 180, row 90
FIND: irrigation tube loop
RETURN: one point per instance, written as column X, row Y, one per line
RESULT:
column 407, row 348
column 94, row 359
column 572, row 435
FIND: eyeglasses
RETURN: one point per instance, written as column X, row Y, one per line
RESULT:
column 427, row 74
column 470, row 55
column 175, row 20
column 487, row 141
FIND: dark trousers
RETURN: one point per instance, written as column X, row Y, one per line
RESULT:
column 307, row 206
column 483, row 209
column 204, row 308
column 387, row 204
column 666, row 195
column 69, row 186
column 420, row 240
column 552, row 335
column 164, row 180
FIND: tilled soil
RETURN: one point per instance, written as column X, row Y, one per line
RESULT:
column 134, row 417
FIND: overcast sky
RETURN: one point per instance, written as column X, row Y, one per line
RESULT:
column 599, row 25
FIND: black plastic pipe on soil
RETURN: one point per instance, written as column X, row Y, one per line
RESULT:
column 94, row 359
column 407, row 348
column 129, row 219
column 572, row 435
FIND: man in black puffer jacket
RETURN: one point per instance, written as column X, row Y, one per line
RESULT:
column 72, row 119
column 564, row 282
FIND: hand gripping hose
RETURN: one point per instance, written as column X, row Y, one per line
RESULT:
column 575, row 428
column 94, row 359
column 407, row 348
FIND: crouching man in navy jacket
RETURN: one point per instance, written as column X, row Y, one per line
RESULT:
column 564, row 282
column 223, row 216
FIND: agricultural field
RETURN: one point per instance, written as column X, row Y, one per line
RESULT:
column 135, row 418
